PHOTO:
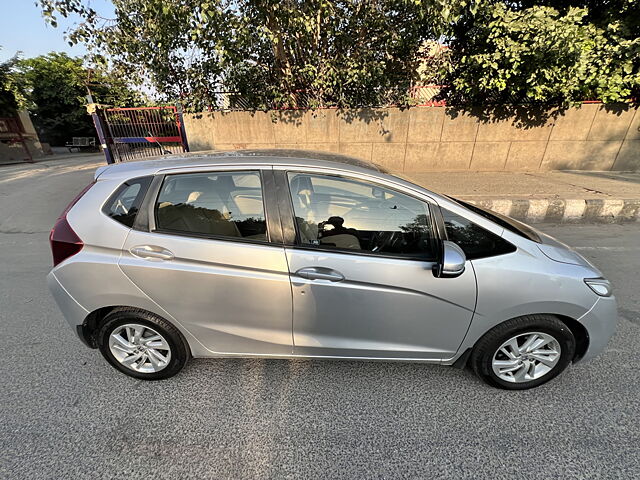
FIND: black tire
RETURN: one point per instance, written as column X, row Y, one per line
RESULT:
column 484, row 350
column 179, row 351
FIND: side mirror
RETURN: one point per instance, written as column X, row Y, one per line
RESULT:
column 453, row 261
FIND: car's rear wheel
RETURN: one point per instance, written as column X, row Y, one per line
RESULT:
column 142, row 345
column 523, row 352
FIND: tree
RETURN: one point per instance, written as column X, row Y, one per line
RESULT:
column 350, row 53
column 54, row 88
column 626, row 13
column 8, row 102
column 539, row 54
column 272, row 52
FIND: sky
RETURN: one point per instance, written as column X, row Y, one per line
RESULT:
column 22, row 28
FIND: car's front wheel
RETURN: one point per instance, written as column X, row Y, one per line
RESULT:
column 142, row 345
column 523, row 352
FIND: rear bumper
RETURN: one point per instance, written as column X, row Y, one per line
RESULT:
column 72, row 311
column 600, row 322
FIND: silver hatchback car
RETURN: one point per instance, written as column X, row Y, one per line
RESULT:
column 289, row 254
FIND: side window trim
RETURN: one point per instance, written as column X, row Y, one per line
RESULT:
column 267, row 201
column 285, row 209
column 292, row 235
column 438, row 217
column 270, row 206
column 147, row 221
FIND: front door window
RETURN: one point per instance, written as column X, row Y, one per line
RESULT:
column 344, row 214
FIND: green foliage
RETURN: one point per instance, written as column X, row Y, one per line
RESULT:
column 332, row 53
column 349, row 53
column 8, row 101
column 541, row 55
column 53, row 88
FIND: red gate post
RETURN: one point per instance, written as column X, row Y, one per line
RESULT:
column 92, row 109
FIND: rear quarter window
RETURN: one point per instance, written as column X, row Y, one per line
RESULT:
column 124, row 203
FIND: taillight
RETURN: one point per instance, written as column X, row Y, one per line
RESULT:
column 64, row 241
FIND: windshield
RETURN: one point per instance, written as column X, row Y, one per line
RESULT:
column 510, row 224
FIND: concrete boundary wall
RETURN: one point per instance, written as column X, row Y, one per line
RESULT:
column 422, row 139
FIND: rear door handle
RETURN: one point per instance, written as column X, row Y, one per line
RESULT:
column 151, row 252
column 320, row 273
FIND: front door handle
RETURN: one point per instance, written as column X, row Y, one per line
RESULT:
column 151, row 252
column 320, row 273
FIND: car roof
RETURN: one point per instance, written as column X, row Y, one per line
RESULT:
column 251, row 157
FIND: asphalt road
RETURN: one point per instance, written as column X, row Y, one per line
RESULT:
column 64, row 413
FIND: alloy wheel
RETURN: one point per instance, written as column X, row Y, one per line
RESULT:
column 526, row 356
column 139, row 348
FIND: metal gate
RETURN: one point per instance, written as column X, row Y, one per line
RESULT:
column 11, row 133
column 134, row 133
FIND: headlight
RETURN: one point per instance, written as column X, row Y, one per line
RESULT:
column 600, row 286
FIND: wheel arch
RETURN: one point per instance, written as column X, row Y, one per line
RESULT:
column 94, row 321
column 577, row 329
column 579, row 332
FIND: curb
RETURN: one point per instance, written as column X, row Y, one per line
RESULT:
column 565, row 210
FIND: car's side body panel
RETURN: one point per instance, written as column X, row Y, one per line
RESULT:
column 525, row 283
column 96, row 281
column 239, row 298
column 600, row 322
column 383, row 308
column 234, row 297
column 74, row 313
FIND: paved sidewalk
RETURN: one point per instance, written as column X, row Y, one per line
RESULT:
column 52, row 158
column 544, row 196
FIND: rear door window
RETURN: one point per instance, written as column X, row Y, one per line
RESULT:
column 125, row 202
column 218, row 204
